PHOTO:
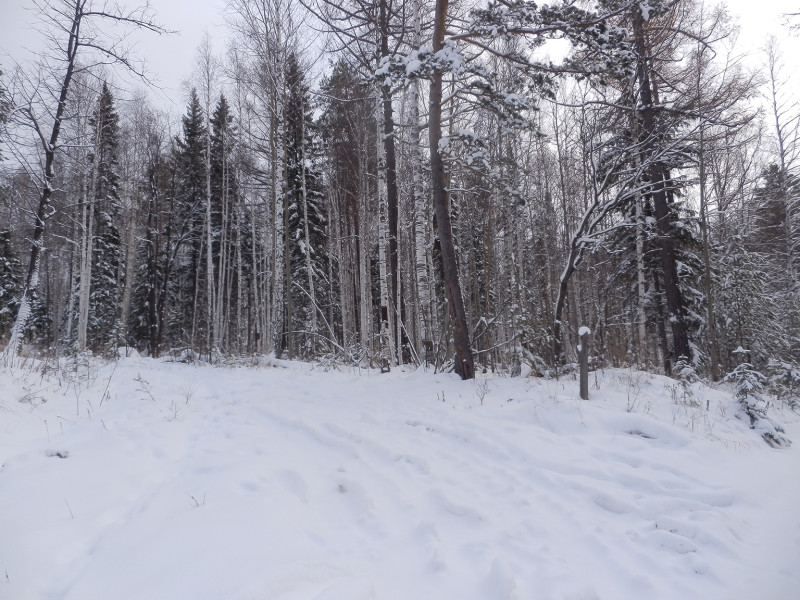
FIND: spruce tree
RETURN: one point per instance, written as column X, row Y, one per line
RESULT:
column 101, row 216
column 188, row 323
column 156, row 253
column 11, row 274
column 306, row 210
column 224, row 186
column 104, row 328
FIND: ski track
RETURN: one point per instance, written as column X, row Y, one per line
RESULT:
column 289, row 483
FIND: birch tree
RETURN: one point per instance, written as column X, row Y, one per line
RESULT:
column 75, row 30
column 269, row 29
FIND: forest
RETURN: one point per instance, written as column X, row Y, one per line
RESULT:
column 452, row 183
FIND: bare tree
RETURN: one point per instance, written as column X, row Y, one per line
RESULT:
column 206, row 67
column 78, row 33
column 785, row 112
column 269, row 29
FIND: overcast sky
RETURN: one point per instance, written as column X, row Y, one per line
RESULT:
column 170, row 58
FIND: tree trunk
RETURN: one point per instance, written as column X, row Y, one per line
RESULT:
column 277, row 198
column 583, row 361
column 309, row 264
column 659, row 180
column 211, row 319
column 386, row 328
column 130, row 264
column 424, row 320
column 641, row 317
column 87, row 245
column 707, row 287
column 464, row 363
column 364, row 276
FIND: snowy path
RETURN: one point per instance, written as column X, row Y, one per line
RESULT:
column 289, row 483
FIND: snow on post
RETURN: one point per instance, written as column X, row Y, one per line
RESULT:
column 583, row 361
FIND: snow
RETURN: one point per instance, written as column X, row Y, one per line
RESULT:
column 150, row 479
column 450, row 57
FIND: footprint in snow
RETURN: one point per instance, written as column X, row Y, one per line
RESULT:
column 294, row 483
column 611, row 504
column 500, row 583
column 671, row 541
column 465, row 512
column 250, row 486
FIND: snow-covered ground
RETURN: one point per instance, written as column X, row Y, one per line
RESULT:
column 144, row 479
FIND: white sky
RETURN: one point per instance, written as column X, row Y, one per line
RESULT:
column 171, row 58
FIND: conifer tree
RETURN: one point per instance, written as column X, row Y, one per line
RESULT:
column 306, row 212
column 104, row 327
column 11, row 274
column 158, row 249
column 189, row 322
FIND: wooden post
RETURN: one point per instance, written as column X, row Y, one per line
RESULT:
column 583, row 361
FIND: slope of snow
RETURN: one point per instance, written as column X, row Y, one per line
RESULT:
column 147, row 479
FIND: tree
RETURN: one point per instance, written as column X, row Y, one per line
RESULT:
column 349, row 144
column 11, row 277
column 464, row 362
column 5, row 107
column 166, row 228
column 781, row 192
column 371, row 33
column 100, row 276
column 270, row 32
column 668, row 119
column 659, row 183
column 306, row 217
column 229, row 225
column 771, row 242
column 192, row 323
column 492, row 31
column 206, row 66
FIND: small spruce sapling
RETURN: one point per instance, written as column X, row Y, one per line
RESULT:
column 784, row 382
column 750, row 386
column 686, row 375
